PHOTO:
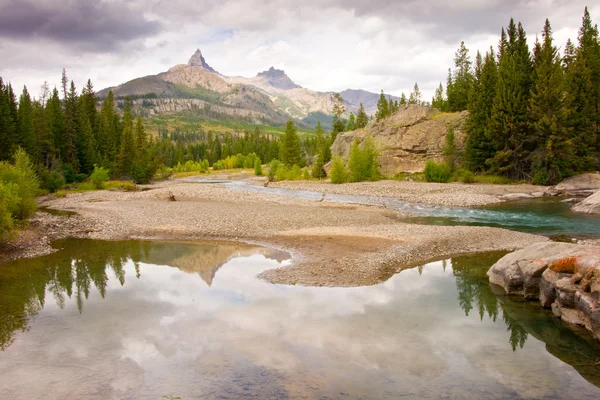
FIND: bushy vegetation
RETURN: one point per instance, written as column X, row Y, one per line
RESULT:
column 338, row 173
column 191, row 166
column 437, row 172
column 235, row 162
column 99, row 177
column 363, row 162
column 19, row 186
column 258, row 167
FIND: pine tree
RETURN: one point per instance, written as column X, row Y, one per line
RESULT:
column 382, row 108
column 509, row 128
column 107, row 133
column 478, row 147
column 44, row 150
column 438, row 100
column 68, row 147
column 415, row 95
column 402, row 98
column 5, row 144
column 351, row 123
column 56, row 122
column 461, row 80
column 127, row 144
column 550, row 159
column 289, row 153
column 25, row 128
column 361, row 117
column 339, row 124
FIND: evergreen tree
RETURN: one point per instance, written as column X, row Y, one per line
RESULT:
column 438, row 100
column 361, row 117
column 68, row 148
column 43, row 135
column 450, row 150
column 56, row 122
column 25, row 128
column 382, row 108
column 107, row 133
column 127, row 146
column 509, row 128
column 5, row 121
column 339, row 124
column 318, row 171
column 289, row 154
column 460, row 81
column 402, row 98
column 553, row 147
column 415, row 95
column 478, row 146
column 351, row 123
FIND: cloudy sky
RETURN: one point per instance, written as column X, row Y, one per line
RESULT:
column 321, row 44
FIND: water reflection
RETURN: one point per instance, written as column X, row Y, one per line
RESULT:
column 429, row 332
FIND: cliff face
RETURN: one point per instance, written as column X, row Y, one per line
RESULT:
column 407, row 139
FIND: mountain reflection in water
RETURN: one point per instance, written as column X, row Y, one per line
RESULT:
column 116, row 320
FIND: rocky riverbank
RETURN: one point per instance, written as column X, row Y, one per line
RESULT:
column 564, row 277
column 333, row 244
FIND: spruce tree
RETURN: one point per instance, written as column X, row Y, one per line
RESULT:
column 56, row 122
column 415, row 95
column 382, row 108
column 509, row 128
column 107, row 133
column 351, row 123
column 68, row 147
column 339, row 124
column 289, row 153
column 361, row 117
column 438, row 100
column 461, row 80
column 25, row 128
column 402, row 99
column 478, row 146
column 127, row 144
column 550, row 159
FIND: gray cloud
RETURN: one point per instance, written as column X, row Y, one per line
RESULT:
column 95, row 26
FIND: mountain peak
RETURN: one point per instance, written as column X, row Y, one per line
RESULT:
column 197, row 60
column 277, row 79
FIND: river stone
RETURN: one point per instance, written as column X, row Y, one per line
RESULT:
column 591, row 312
column 516, row 196
column 590, row 205
column 573, row 317
column 556, row 309
column 579, row 184
column 547, row 287
column 565, row 290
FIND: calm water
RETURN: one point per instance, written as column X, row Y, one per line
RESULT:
column 141, row 320
column 545, row 216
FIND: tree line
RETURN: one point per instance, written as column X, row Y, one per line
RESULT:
column 534, row 114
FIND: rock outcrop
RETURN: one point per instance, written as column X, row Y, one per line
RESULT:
column 590, row 205
column 197, row 60
column 407, row 139
column 564, row 277
column 579, row 185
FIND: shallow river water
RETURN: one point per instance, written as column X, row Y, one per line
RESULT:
column 143, row 320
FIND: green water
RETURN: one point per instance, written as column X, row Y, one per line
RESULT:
column 141, row 320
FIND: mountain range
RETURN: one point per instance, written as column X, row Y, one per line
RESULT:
column 269, row 97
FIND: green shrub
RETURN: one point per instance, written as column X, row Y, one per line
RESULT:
column 257, row 167
column 305, row 173
column 435, row 172
column 55, row 181
column 363, row 163
column 98, row 177
column 8, row 202
column 282, row 173
column 26, row 184
column 338, row 173
column 273, row 167
column 318, row 171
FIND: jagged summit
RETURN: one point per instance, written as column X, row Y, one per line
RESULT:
column 197, row 60
column 277, row 79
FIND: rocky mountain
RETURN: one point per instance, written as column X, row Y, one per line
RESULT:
column 269, row 97
column 407, row 139
column 198, row 61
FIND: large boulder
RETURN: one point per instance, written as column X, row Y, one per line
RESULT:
column 579, row 185
column 407, row 139
column 563, row 276
column 590, row 205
